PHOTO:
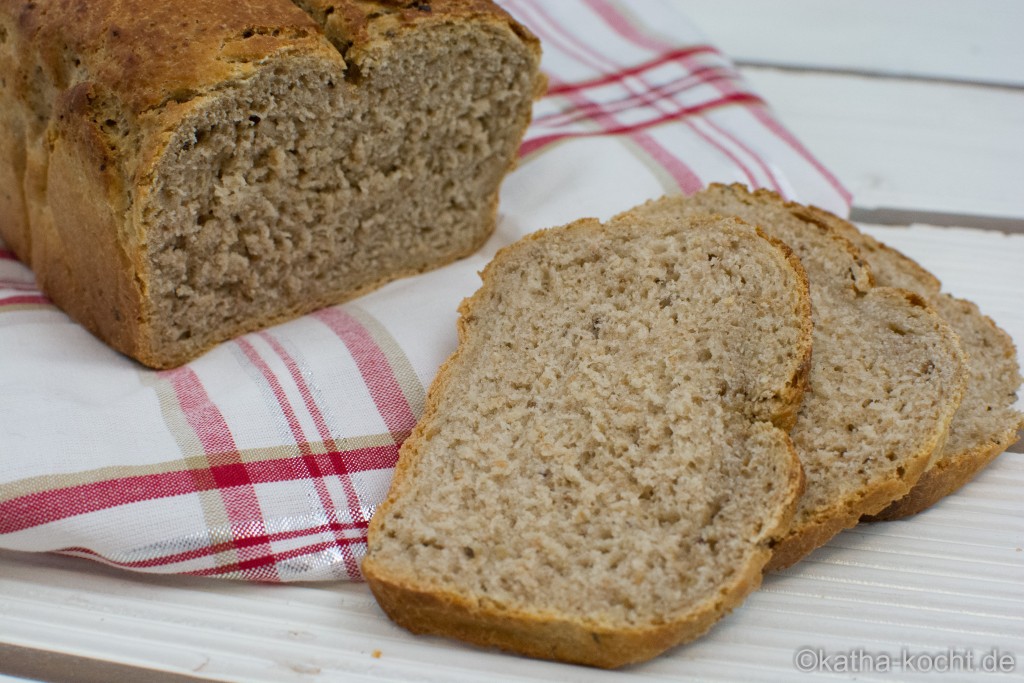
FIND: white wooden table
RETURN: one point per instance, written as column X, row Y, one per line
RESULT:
column 918, row 107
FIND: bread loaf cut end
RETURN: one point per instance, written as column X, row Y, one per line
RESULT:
column 262, row 162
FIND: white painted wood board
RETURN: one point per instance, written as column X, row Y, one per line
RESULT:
column 905, row 144
column 942, row 39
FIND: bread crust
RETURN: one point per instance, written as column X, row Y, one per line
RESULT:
column 95, row 117
column 948, row 474
column 78, row 258
column 550, row 636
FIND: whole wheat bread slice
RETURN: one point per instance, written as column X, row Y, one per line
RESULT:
column 986, row 424
column 599, row 475
column 886, row 376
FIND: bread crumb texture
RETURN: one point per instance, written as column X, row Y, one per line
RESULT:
column 887, row 372
column 986, row 423
column 597, row 476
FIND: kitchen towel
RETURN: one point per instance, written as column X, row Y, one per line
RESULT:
column 264, row 459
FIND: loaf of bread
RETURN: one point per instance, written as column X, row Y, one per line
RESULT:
column 600, row 471
column 886, row 377
column 179, row 172
column 986, row 423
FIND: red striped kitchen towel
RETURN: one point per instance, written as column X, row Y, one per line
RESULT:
column 264, row 459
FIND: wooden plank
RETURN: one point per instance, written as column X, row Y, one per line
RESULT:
column 933, row 39
column 907, row 145
column 35, row 664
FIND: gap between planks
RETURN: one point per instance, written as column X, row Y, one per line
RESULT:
column 883, row 215
column 874, row 73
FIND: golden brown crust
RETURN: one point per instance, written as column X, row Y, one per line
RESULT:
column 14, row 220
column 949, row 473
column 188, row 45
column 358, row 23
column 78, row 260
column 813, row 534
column 549, row 636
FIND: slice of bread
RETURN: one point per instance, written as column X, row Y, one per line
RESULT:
column 986, row 424
column 599, row 475
column 886, row 376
